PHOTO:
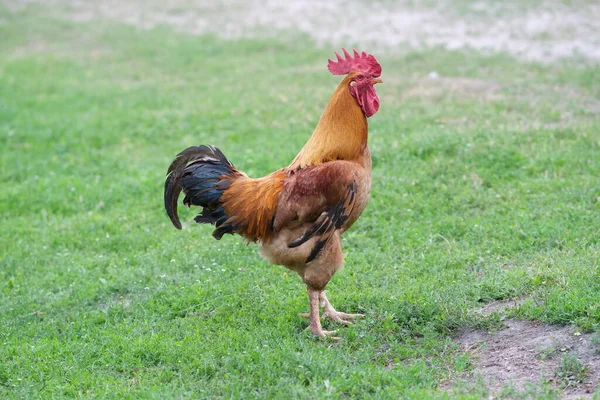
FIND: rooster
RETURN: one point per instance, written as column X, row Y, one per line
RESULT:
column 298, row 213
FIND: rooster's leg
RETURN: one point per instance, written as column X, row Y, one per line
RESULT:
column 315, row 321
column 334, row 315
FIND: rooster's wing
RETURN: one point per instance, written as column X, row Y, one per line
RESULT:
column 323, row 196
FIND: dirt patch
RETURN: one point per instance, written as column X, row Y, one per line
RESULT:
column 527, row 352
column 501, row 306
column 435, row 86
column 542, row 30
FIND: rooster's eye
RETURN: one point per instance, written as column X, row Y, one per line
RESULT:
column 360, row 77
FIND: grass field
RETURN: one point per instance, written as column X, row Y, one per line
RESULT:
column 486, row 187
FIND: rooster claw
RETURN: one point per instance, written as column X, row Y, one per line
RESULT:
column 336, row 316
column 333, row 315
column 340, row 317
column 318, row 331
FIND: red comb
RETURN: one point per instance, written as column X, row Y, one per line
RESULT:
column 363, row 62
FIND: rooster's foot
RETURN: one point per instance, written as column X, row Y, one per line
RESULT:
column 336, row 316
column 333, row 315
column 340, row 317
column 318, row 331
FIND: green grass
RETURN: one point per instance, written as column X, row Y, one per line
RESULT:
column 485, row 186
column 571, row 371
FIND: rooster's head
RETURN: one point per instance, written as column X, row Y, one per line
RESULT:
column 363, row 72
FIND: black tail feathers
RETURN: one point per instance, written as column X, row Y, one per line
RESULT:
column 201, row 172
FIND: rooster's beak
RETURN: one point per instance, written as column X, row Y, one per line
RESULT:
column 378, row 80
